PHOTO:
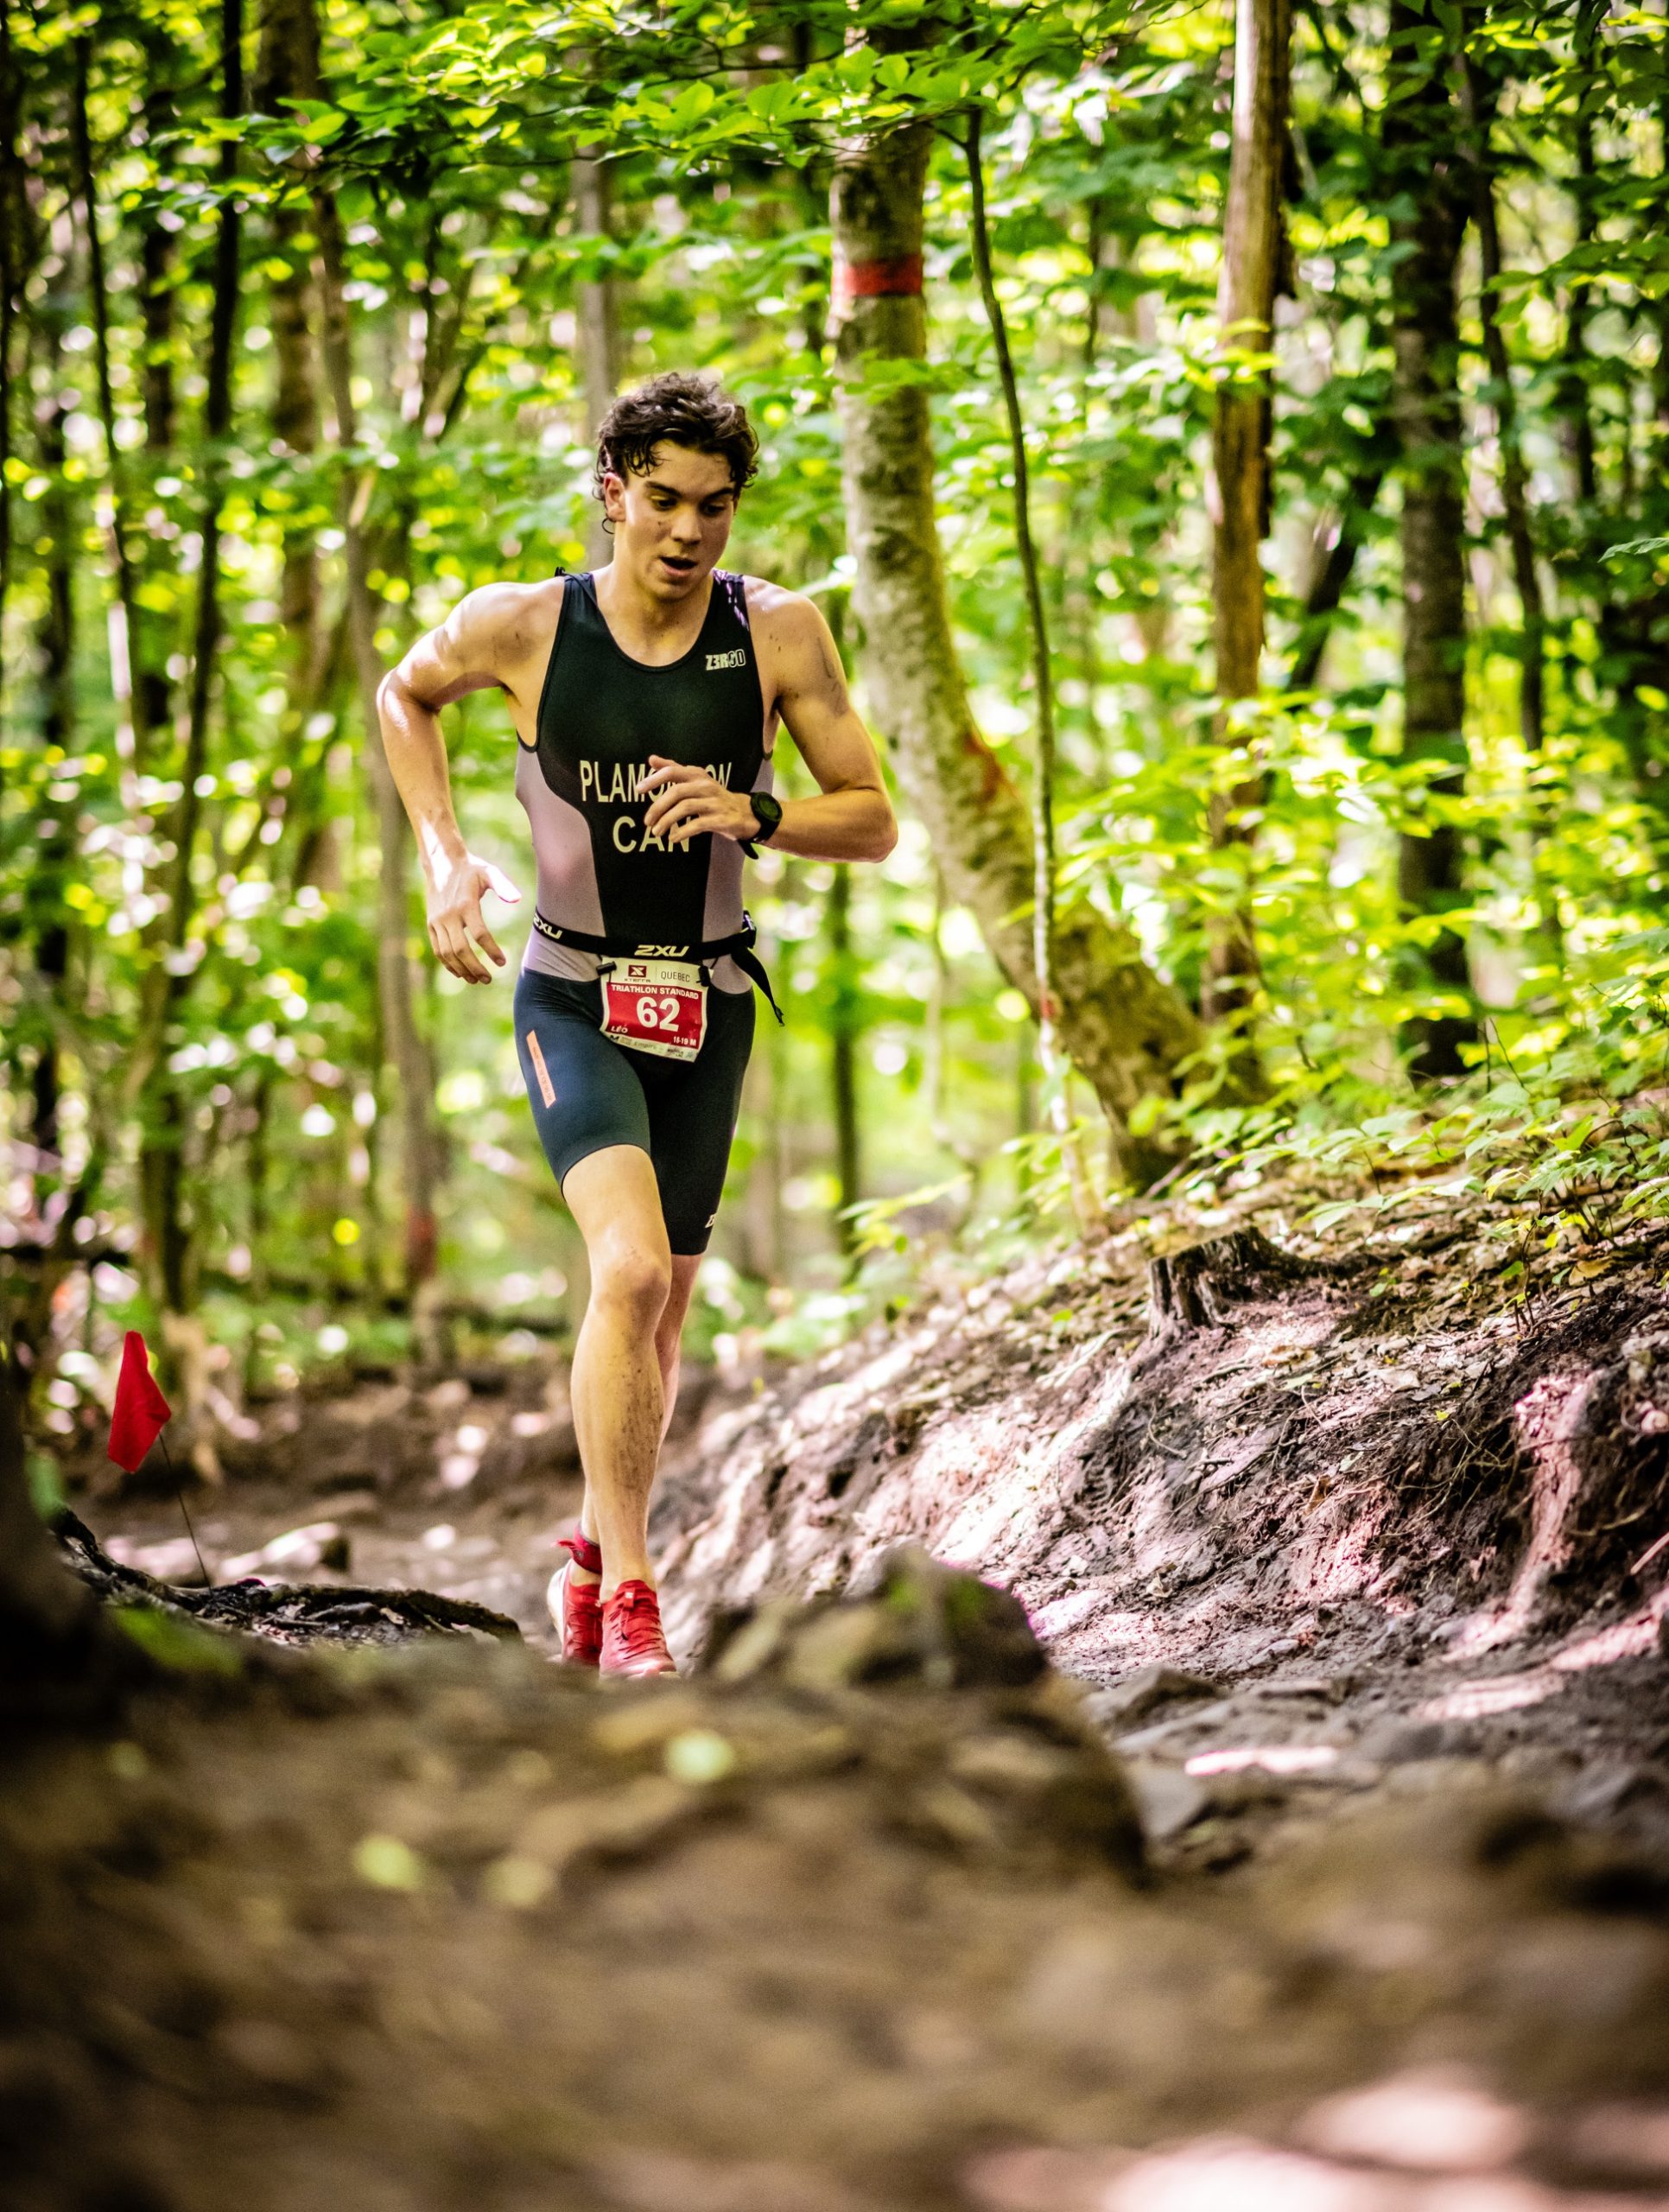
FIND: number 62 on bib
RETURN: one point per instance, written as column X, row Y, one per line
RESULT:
column 655, row 1006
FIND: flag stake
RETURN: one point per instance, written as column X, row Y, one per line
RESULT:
column 178, row 1492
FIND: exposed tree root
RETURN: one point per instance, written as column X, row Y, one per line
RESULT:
column 287, row 1612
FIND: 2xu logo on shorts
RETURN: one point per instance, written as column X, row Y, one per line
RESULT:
column 736, row 659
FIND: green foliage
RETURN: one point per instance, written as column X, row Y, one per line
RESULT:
column 176, row 1644
column 46, row 1485
column 446, row 136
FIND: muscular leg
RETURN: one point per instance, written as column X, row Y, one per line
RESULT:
column 620, row 1370
column 668, row 1338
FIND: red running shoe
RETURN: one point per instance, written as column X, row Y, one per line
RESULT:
column 574, row 1608
column 633, row 1641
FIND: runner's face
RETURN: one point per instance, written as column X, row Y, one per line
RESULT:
column 672, row 523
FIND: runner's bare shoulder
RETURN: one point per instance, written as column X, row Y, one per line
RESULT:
column 772, row 603
column 798, row 657
column 784, row 622
column 501, row 633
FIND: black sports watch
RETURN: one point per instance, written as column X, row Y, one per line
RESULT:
column 768, row 813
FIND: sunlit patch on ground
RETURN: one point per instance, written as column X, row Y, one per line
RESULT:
column 1417, row 2142
column 1272, row 1758
column 1429, row 2122
column 1482, row 1701
column 1628, row 1639
column 1607, row 1647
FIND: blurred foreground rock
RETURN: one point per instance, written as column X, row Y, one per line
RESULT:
column 860, row 1917
column 854, row 1921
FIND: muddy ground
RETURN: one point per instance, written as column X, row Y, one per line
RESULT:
column 1353, row 1556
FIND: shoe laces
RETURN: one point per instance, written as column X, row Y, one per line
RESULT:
column 634, row 1613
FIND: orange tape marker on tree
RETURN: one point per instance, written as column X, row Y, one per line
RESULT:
column 900, row 277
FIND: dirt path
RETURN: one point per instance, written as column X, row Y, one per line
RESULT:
column 1336, row 1532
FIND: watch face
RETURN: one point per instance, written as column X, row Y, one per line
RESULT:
column 767, row 812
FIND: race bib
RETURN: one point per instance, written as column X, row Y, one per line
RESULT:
column 655, row 1006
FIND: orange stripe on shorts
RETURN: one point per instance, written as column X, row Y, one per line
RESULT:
column 547, row 1088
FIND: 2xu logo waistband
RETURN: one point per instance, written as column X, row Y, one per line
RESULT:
column 583, row 941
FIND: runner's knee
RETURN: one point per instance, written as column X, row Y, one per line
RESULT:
column 632, row 1278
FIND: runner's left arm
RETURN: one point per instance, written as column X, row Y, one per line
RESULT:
column 851, row 819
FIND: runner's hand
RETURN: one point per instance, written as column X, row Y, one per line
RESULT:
column 454, row 915
column 689, row 802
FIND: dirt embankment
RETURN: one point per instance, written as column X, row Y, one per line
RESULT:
column 1246, row 1459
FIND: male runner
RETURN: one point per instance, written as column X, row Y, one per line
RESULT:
column 646, row 698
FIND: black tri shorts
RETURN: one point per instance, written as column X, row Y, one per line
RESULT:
column 681, row 1113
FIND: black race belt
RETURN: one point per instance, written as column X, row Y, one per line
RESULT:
column 738, row 947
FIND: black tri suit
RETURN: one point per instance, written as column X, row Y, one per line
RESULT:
column 608, row 889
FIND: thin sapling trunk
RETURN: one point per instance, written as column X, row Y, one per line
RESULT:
column 132, row 735
column 1042, row 798
column 1240, row 457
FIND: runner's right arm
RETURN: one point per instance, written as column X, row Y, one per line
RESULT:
column 467, row 653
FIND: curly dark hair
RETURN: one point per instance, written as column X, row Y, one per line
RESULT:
column 676, row 408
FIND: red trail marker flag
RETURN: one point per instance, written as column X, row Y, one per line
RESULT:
column 141, row 1412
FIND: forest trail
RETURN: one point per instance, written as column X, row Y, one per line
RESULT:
column 850, row 1921
column 1313, row 1511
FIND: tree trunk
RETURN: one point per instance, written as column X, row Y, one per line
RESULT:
column 1095, row 253
column 597, row 321
column 132, row 734
column 1126, row 1029
column 843, row 1032
column 151, row 682
column 1514, row 477
column 13, row 258
column 403, row 1046
column 169, row 1241
column 288, row 70
column 1660, row 371
column 1336, row 553
column 1575, row 400
column 597, row 305
column 55, row 644
column 1420, row 137
column 1237, row 494
column 217, row 429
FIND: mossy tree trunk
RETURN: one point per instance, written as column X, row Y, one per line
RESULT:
column 1124, row 1028
column 1422, row 140
column 1240, row 488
